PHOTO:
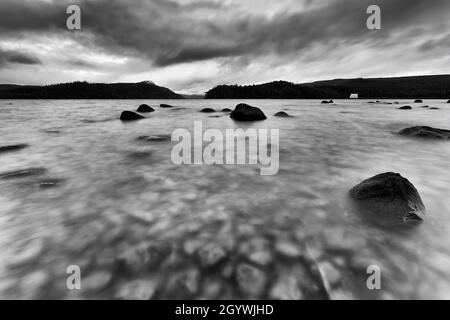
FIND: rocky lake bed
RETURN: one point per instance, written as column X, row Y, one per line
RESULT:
column 91, row 183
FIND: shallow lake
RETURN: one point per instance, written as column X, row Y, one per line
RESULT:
column 139, row 226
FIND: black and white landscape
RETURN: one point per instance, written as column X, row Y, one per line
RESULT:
column 94, row 203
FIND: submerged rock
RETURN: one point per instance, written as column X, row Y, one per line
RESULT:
column 282, row 114
column 405, row 108
column 288, row 249
column 142, row 289
column 130, row 116
column 418, row 101
column 145, row 108
column 208, row 110
column 11, row 148
column 211, row 254
column 187, row 282
column 328, row 101
column 244, row 112
column 165, row 106
column 286, row 288
column 23, row 173
column 425, row 107
column 329, row 273
column 226, row 110
column 97, row 281
column 141, row 257
column 251, row 280
column 426, row 132
column 155, row 138
column 435, row 108
column 140, row 155
column 50, row 183
column 389, row 195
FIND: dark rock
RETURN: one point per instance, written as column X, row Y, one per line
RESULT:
column 250, row 279
column 50, row 183
column 12, row 148
column 140, row 155
column 389, row 196
column 418, row 101
column 448, row 101
column 155, row 138
column 130, row 116
column 23, row 173
column 426, row 132
column 141, row 289
column 51, row 131
column 208, row 110
column 165, row 106
column 244, row 112
column 405, row 108
column 327, row 102
column 226, row 110
column 143, row 257
column 144, row 108
column 425, row 106
column 282, row 114
column 435, row 108
column 211, row 254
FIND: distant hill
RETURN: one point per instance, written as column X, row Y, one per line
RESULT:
column 427, row 87
column 84, row 90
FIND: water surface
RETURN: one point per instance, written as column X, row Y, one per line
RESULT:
column 139, row 226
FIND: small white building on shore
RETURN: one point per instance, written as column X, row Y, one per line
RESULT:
column 354, row 96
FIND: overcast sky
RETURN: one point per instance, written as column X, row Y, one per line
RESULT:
column 191, row 46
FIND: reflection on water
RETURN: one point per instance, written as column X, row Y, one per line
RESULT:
column 93, row 194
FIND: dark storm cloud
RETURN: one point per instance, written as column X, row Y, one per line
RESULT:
column 168, row 32
column 16, row 57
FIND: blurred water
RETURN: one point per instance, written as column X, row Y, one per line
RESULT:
column 140, row 227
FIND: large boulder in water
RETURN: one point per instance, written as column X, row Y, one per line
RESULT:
column 130, row 116
column 165, row 106
column 406, row 108
column 145, row 108
column 207, row 110
column 448, row 101
column 389, row 196
column 244, row 112
column 426, row 132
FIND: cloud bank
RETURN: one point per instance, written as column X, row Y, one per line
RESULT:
column 192, row 45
